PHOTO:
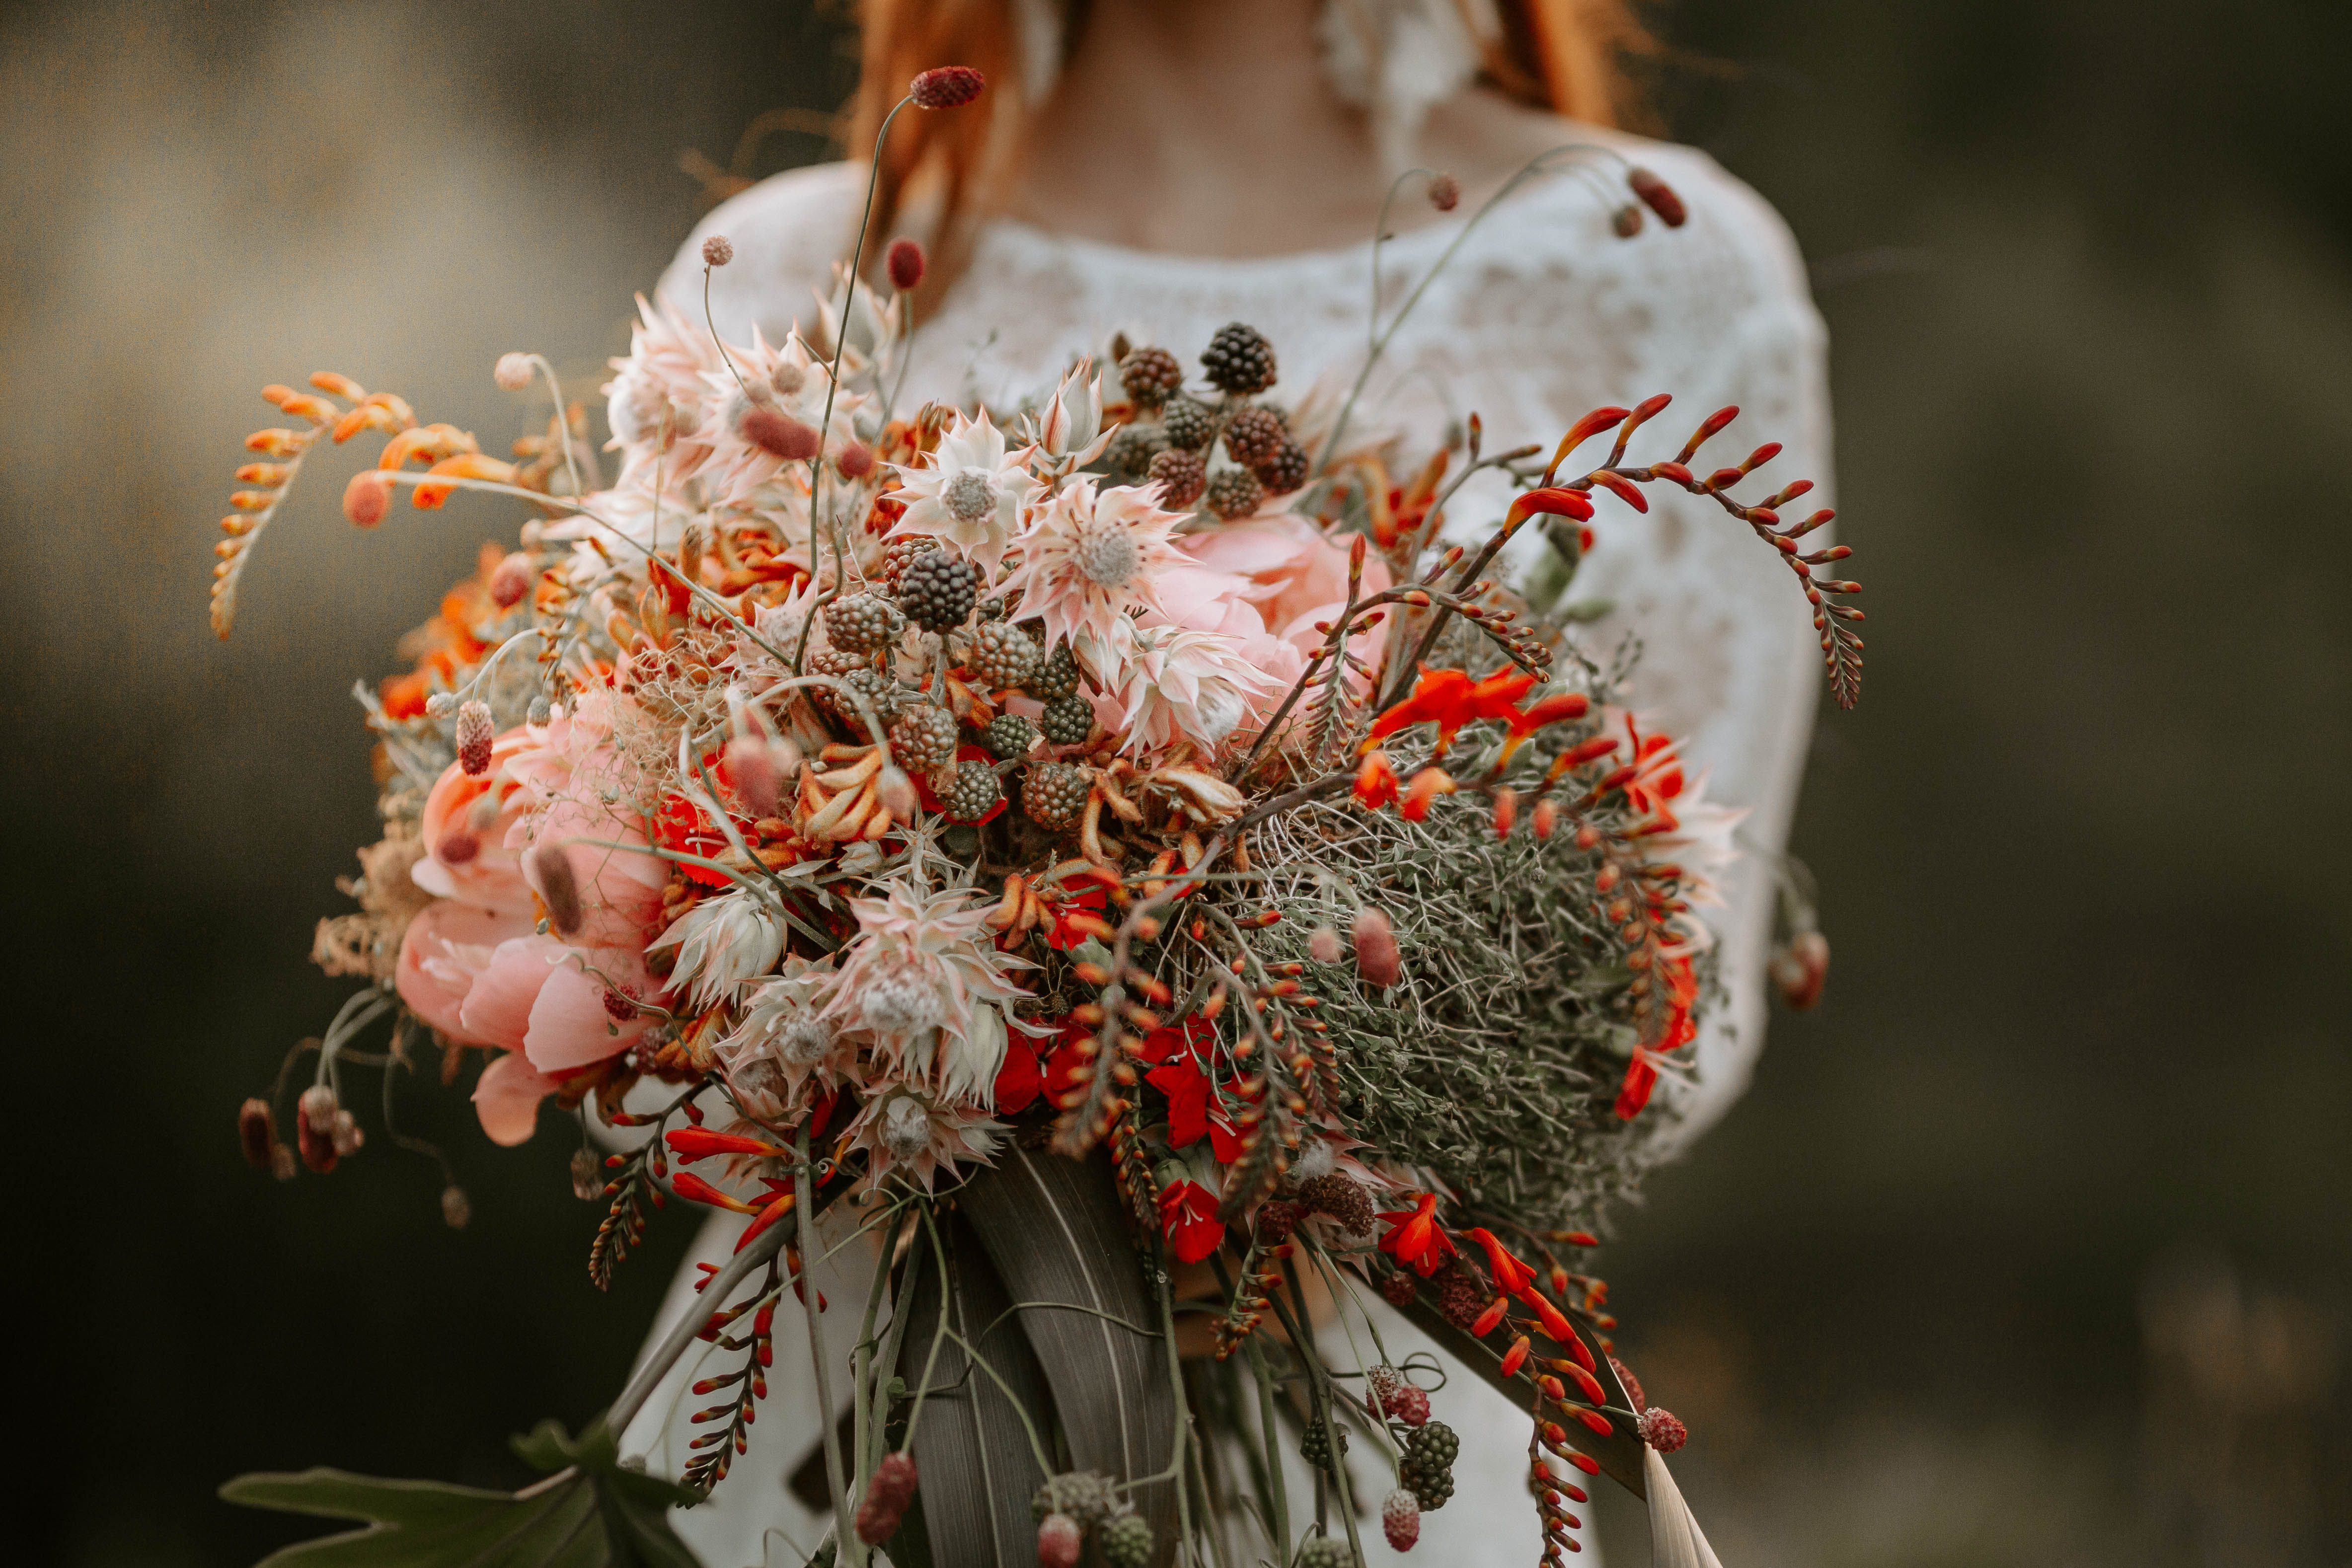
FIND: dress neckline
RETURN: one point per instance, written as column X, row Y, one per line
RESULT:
column 1019, row 234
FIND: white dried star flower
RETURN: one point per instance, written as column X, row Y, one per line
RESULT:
column 783, row 1044
column 746, row 470
column 969, row 493
column 924, row 965
column 662, row 373
column 722, row 942
column 1088, row 558
column 1175, row 683
column 910, row 1134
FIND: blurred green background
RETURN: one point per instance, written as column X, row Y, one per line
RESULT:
column 2032, row 1246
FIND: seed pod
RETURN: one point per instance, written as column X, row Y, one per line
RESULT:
column 1376, row 949
column 946, row 87
column 1059, row 1541
column 1662, row 1431
column 511, row 580
column 512, row 373
column 367, row 497
column 888, row 1495
column 456, row 1210
column 905, row 265
column 718, row 251
column 257, row 1132
column 1446, row 192
column 475, row 737
column 549, row 870
column 780, row 434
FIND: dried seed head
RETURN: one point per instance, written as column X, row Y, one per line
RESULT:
column 905, row 263
column 778, row 434
column 1446, row 192
column 1324, row 946
column 512, row 373
column 511, row 580
column 314, row 1127
column 1662, row 1431
column 549, row 869
column 476, row 738
column 856, row 460
column 888, row 1495
column 946, row 87
column 1633, row 1384
column 257, row 1133
column 347, row 1135
column 1626, row 220
column 1658, row 196
column 318, row 1104
column 367, row 497
column 1401, row 1519
column 540, row 712
column 587, row 1176
column 440, row 704
column 718, row 251
column 1377, row 958
column 456, row 1211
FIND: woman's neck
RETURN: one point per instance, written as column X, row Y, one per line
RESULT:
column 1206, row 127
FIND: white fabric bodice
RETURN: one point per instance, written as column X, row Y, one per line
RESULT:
column 1542, row 315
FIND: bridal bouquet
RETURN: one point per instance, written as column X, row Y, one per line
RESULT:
column 1104, row 861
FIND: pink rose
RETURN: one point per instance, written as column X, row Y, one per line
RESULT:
column 1266, row 582
column 473, row 964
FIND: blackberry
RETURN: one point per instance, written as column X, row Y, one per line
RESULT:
column 1001, row 655
column 1239, row 360
column 1125, row 1541
column 1341, row 1197
column 1130, row 452
column 1314, row 1448
column 972, row 793
column 1254, row 435
column 1324, row 1552
column 923, row 738
column 1276, row 1219
column 938, row 591
column 1188, row 423
column 1009, row 736
column 1181, row 476
column 1054, row 795
column 1057, row 677
column 1082, row 1495
column 1067, row 721
column 1151, row 376
column 863, row 623
column 899, row 551
column 1285, row 470
column 1235, row 492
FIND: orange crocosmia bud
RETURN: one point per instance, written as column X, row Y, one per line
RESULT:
column 1427, row 786
column 1507, row 812
column 1511, row 1275
column 1490, row 1317
column 1558, row 502
column 1517, row 1356
column 1376, row 781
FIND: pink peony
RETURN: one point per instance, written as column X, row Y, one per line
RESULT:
column 473, row 964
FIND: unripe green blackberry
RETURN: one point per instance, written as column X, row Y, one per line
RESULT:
column 1285, row 470
column 972, row 793
column 1081, row 1495
column 1053, row 794
column 883, row 695
column 1130, row 452
column 1235, row 492
column 1239, row 360
column 923, row 737
column 1000, row 656
column 1254, row 436
column 1126, row 1542
column 1324, row 1552
column 1188, row 423
column 1430, row 1483
column 938, row 591
column 1067, row 721
column 1314, row 1448
column 1435, row 1444
column 1057, row 677
column 1150, row 376
column 1009, row 736
column 1341, row 1197
column 899, row 551
column 1181, row 476
column 863, row 623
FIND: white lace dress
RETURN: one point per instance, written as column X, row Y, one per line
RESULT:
column 1542, row 315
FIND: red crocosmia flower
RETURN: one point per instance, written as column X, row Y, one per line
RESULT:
column 1415, row 1239
column 691, row 1143
column 1511, row 1276
column 1188, row 1091
column 685, row 828
column 1657, row 778
column 778, row 1206
column 1641, row 1077
column 1426, row 787
column 1556, row 500
column 1061, row 1067
column 1555, row 1322
column 1553, row 709
column 1019, row 1081
column 1490, row 1317
column 1517, row 1356
column 1076, row 918
column 1188, row 1213
column 694, row 1189
column 1450, row 700
column 1376, row 781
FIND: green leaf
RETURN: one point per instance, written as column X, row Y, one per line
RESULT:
column 592, row 1513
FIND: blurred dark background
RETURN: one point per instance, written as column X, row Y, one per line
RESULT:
column 2032, row 1246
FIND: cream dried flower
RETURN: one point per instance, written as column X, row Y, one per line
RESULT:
column 908, row 1133
column 1088, row 558
column 782, row 1046
column 923, row 969
column 722, row 942
column 969, row 493
column 1173, row 684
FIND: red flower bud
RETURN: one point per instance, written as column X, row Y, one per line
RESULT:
column 780, row 434
column 474, row 737
column 366, row 498
column 1377, row 958
column 946, row 87
column 906, row 262
column 1662, row 1431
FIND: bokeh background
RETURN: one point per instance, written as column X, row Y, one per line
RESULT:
column 2032, row 1246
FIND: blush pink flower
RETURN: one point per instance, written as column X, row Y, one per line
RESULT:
column 1293, row 574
